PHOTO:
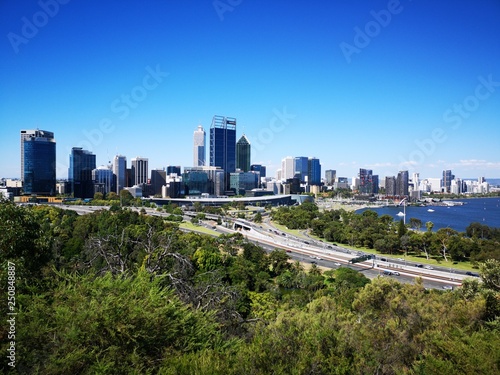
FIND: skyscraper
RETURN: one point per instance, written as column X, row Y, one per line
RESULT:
column 314, row 172
column 287, row 168
column 402, row 184
column 81, row 165
column 243, row 154
column 365, row 181
column 38, row 162
column 199, row 141
column 301, row 167
column 223, row 145
column 447, row 178
column 330, row 176
column 120, row 171
column 139, row 170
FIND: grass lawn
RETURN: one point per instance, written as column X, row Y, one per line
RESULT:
column 198, row 228
column 421, row 259
column 295, row 232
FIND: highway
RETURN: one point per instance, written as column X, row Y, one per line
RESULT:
column 309, row 250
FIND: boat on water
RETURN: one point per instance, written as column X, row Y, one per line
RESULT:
column 400, row 213
column 430, row 210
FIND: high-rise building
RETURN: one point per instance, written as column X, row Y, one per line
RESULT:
column 158, row 180
column 447, row 178
column 330, row 176
column 199, row 142
column 261, row 169
column 314, row 171
column 301, row 167
column 390, row 186
column 223, row 145
column 375, row 183
column 103, row 179
column 365, row 181
column 402, row 184
column 243, row 154
column 81, row 165
column 287, row 168
column 139, row 170
column 120, row 172
column 38, row 162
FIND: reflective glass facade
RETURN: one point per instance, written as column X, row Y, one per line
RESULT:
column 39, row 158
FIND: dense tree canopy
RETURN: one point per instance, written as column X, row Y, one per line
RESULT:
column 116, row 291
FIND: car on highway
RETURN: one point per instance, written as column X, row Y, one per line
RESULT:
column 468, row 273
column 337, row 264
column 447, row 287
column 419, row 265
column 428, row 268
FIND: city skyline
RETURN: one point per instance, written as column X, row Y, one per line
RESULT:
column 386, row 86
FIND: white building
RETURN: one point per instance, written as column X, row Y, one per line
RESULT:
column 287, row 168
column 140, row 170
column 199, row 144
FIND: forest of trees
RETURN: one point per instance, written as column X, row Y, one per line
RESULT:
column 381, row 233
column 118, row 292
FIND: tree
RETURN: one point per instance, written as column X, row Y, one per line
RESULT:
column 258, row 217
column 98, row 196
column 126, row 198
column 415, row 223
column 401, row 229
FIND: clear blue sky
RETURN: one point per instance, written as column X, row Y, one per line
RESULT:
column 420, row 90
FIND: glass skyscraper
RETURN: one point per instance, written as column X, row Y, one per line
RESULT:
column 223, row 145
column 314, row 172
column 243, row 151
column 38, row 162
column 81, row 165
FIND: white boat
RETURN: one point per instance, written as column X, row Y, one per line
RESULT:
column 430, row 210
column 400, row 213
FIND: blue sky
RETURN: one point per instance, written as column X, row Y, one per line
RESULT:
column 386, row 85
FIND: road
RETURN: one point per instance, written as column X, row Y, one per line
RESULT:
column 313, row 251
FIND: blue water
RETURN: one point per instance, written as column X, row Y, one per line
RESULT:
column 482, row 210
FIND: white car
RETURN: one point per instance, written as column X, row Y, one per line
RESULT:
column 428, row 268
column 337, row 264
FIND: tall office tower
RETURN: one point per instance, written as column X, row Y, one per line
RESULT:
column 139, row 170
column 375, row 183
column 314, row 172
column 330, row 176
column 243, row 154
column 301, row 167
column 158, row 180
column 390, row 186
column 447, row 178
column 38, row 162
column 103, row 179
column 174, row 169
column 120, row 171
column 365, row 181
column 199, row 142
column 402, row 184
column 287, row 170
column 81, row 165
column 223, row 145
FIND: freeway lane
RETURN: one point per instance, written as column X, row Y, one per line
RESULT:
column 307, row 251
